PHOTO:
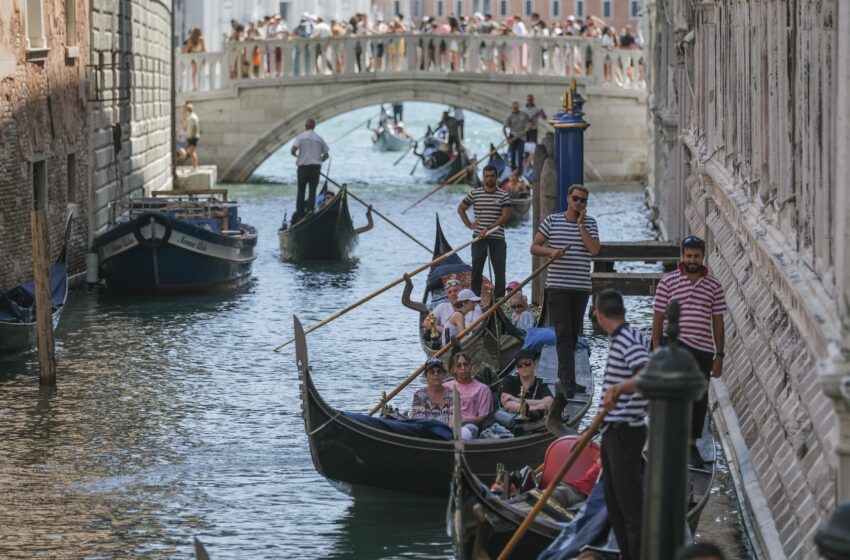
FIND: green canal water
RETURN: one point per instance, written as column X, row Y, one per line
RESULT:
column 174, row 419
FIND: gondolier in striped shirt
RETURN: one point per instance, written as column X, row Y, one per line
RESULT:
column 701, row 329
column 492, row 208
column 515, row 129
column 310, row 150
column 624, row 428
column 568, row 278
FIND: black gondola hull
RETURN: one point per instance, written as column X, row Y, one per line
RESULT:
column 327, row 234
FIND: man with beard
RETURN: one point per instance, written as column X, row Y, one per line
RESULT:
column 702, row 333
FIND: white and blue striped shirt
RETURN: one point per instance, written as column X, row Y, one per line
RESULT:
column 572, row 271
column 627, row 355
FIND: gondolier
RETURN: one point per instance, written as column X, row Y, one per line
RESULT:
column 515, row 129
column 534, row 113
column 310, row 150
column 702, row 332
column 624, row 427
column 492, row 208
column 568, row 279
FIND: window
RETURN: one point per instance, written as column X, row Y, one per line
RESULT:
column 397, row 7
column 35, row 25
column 579, row 8
column 635, row 9
column 476, row 6
column 459, row 8
column 556, row 8
column 440, row 10
column 284, row 11
column 39, row 185
column 72, row 178
column 607, row 9
column 70, row 22
column 486, row 9
column 528, row 7
column 503, row 8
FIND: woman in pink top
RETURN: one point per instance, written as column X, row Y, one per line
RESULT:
column 476, row 399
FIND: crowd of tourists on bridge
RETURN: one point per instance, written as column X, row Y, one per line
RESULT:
column 442, row 54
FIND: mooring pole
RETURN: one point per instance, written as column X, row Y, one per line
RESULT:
column 43, row 307
column 671, row 382
column 569, row 147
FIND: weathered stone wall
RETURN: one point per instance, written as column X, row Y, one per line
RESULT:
column 131, row 90
column 742, row 106
column 42, row 118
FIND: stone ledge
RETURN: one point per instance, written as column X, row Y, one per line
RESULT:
column 203, row 178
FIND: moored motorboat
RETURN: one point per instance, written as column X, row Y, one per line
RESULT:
column 326, row 233
column 483, row 521
column 177, row 242
column 350, row 448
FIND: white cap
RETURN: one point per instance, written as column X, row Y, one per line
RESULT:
column 467, row 295
column 571, row 18
column 478, row 15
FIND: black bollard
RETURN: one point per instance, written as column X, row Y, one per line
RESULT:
column 671, row 382
column 833, row 538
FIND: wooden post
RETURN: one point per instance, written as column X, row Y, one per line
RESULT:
column 43, row 307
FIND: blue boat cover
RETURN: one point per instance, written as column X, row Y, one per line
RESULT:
column 538, row 337
column 428, row 429
column 12, row 312
column 452, row 265
column 590, row 523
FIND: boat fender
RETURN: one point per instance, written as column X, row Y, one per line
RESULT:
column 145, row 219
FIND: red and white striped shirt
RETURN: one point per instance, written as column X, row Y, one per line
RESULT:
column 699, row 302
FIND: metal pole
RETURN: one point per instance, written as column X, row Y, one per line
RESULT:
column 569, row 147
column 671, row 382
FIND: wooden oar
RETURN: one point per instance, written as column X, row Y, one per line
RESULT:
column 366, row 122
column 580, row 444
column 367, row 205
column 492, row 309
column 392, row 284
column 455, row 178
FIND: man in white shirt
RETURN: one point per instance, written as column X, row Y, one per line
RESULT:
column 310, row 150
column 443, row 311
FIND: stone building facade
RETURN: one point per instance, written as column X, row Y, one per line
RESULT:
column 749, row 105
column 130, row 102
column 44, row 136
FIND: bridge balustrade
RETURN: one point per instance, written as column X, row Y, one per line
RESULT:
column 410, row 54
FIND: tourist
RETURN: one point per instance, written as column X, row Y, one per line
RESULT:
column 492, row 208
column 459, row 117
column 454, row 46
column 624, row 427
column 533, row 112
column 193, row 133
column 572, row 238
column 701, row 329
column 521, row 317
column 699, row 551
column 534, row 391
column 452, row 130
column 515, row 130
column 459, row 320
column 434, row 401
column 310, row 150
column 444, row 310
column 476, row 400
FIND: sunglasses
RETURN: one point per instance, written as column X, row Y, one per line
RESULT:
column 693, row 242
column 517, row 306
column 458, row 305
column 524, row 364
column 582, row 200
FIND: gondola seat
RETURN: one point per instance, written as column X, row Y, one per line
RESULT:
column 557, row 454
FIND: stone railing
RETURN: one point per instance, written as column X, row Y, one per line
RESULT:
column 283, row 60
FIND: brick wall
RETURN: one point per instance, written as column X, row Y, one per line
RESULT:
column 42, row 118
column 130, row 89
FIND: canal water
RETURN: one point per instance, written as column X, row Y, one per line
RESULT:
column 173, row 418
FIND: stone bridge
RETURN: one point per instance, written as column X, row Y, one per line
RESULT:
column 254, row 96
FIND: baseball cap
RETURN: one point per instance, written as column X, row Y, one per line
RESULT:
column 467, row 295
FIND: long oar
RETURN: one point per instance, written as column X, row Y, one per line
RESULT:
column 367, row 205
column 455, row 178
column 356, row 128
column 392, row 284
column 574, row 453
column 464, row 332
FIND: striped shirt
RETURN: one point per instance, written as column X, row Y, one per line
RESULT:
column 572, row 271
column 517, row 123
column 627, row 355
column 699, row 301
column 487, row 207
column 533, row 114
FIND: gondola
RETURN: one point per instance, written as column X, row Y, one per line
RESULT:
column 440, row 163
column 390, row 136
column 520, row 204
column 482, row 522
column 325, row 234
column 355, row 449
column 177, row 242
column 494, row 342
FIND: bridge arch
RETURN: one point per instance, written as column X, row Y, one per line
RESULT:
column 343, row 100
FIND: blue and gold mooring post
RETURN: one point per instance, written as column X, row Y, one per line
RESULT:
column 569, row 145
